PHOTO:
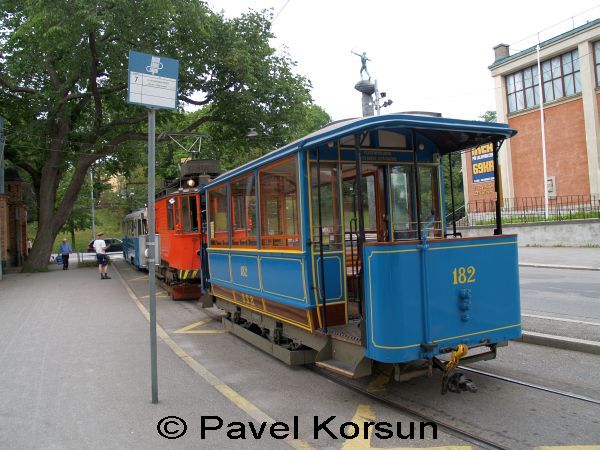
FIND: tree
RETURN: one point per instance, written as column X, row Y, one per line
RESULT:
column 63, row 79
column 488, row 116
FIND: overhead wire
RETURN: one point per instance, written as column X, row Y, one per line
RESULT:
column 280, row 11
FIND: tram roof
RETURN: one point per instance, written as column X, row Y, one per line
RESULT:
column 449, row 135
column 135, row 214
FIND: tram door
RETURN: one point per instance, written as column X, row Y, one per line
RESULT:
column 375, row 219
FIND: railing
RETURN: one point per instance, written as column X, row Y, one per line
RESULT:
column 532, row 209
column 460, row 216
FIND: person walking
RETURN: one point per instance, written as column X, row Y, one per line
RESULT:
column 100, row 247
column 65, row 251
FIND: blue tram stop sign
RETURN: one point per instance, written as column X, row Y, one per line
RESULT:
column 152, row 81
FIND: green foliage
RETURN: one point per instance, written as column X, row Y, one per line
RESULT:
column 63, row 78
column 488, row 116
column 457, row 179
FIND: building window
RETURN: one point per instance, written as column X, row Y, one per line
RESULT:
column 523, row 89
column 560, row 78
column 219, row 228
column 597, row 61
column 279, row 206
column 243, row 211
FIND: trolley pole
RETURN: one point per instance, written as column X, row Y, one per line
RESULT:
column 151, row 253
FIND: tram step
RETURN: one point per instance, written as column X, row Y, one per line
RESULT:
column 291, row 357
column 347, row 369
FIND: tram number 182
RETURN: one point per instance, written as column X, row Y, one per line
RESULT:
column 463, row 275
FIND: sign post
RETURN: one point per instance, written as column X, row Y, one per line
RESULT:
column 152, row 83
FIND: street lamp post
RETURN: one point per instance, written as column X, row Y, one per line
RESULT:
column 93, row 206
column 543, row 131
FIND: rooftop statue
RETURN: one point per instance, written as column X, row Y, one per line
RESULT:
column 363, row 61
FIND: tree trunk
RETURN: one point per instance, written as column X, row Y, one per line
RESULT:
column 39, row 257
column 50, row 220
column 73, row 240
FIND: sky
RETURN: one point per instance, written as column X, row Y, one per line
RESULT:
column 427, row 55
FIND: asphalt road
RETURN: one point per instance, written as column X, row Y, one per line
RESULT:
column 562, row 293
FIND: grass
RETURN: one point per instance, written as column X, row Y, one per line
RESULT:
column 530, row 219
column 107, row 220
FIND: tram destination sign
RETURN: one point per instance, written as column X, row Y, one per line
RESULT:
column 152, row 81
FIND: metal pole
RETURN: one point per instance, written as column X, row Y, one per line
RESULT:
column 377, row 99
column 1, row 181
column 360, row 239
column 1, row 155
column 151, row 253
column 417, row 185
column 93, row 205
column 496, row 148
column 543, row 131
column 452, row 194
column 322, row 268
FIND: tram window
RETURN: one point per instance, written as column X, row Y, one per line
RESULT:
column 428, row 192
column 189, row 214
column 401, row 196
column 330, row 218
column 243, row 211
column 139, row 227
column 170, row 214
column 219, row 229
column 429, row 206
column 369, row 206
column 279, row 206
column 401, row 185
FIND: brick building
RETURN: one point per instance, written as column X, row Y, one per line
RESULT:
column 570, row 76
column 13, row 221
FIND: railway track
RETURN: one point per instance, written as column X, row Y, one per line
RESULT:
column 445, row 427
column 531, row 385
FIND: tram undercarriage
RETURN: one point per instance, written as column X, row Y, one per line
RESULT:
column 340, row 350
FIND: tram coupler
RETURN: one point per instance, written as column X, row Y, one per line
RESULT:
column 458, row 382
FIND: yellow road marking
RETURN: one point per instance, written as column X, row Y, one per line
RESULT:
column 365, row 413
column 158, row 294
column 141, row 277
column 569, row 447
column 190, row 329
column 248, row 407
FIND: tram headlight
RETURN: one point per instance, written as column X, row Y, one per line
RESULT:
column 191, row 183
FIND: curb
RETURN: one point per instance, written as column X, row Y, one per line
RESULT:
column 558, row 266
column 563, row 342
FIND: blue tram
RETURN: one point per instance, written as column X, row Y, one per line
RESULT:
column 335, row 249
column 135, row 231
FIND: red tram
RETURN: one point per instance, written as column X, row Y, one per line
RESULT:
column 179, row 220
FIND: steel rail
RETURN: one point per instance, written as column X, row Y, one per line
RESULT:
column 531, row 385
column 449, row 429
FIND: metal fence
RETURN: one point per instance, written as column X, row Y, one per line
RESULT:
column 529, row 209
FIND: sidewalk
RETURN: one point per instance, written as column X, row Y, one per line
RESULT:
column 560, row 257
column 74, row 359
